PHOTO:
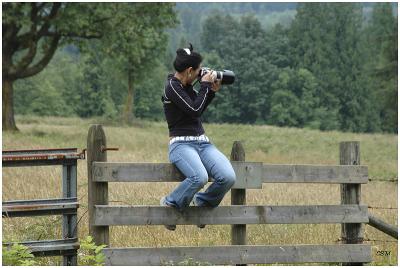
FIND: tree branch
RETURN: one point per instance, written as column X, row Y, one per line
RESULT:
column 9, row 33
column 27, row 59
column 52, row 15
column 42, row 63
column 75, row 35
column 31, row 42
column 24, row 39
column 40, row 6
column 100, row 20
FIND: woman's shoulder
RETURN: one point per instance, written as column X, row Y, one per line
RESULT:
column 173, row 82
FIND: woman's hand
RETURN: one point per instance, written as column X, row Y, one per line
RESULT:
column 208, row 77
column 216, row 86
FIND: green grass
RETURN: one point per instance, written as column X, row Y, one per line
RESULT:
column 148, row 142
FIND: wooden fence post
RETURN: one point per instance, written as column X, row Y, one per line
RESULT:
column 97, row 191
column 238, row 197
column 351, row 194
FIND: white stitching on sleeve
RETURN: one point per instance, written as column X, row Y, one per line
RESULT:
column 165, row 94
column 205, row 96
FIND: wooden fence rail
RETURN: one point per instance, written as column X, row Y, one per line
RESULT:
column 231, row 255
column 351, row 213
column 383, row 226
column 249, row 174
column 156, row 215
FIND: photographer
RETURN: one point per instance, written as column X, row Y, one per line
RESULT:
column 190, row 150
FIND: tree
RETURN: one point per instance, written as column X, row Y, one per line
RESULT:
column 381, row 64
column 94, row 92
column 294, row 101
column 326, row 39
column 311, row 42
column 49, row 92
column 241, row 46
column 147, row 99
column 31, row 34
column 138, row 47
column 33, row 31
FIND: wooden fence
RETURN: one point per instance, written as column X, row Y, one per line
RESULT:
column 351, row 213
column 66, row 206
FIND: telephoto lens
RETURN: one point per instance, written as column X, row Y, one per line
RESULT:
column 227, row 77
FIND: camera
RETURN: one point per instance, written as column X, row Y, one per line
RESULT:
column 227, row 77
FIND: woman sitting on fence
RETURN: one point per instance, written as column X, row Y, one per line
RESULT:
column 189, row 148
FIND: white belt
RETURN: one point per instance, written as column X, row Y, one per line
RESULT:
column 189, row 138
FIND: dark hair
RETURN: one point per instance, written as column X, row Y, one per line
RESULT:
column 185, row 58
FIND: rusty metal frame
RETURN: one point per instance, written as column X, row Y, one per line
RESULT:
column 66, row 206
column 41, row 157
column 51, row 247
column 39, row 207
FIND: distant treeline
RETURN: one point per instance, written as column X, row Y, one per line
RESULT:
column 327, row 68
column 244, row 7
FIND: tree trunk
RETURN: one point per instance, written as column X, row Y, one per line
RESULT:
column 8, row 105
column 128, row 115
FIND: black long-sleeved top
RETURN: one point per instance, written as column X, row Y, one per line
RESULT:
column 183, row 106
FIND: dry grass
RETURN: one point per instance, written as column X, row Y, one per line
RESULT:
column 147, row 142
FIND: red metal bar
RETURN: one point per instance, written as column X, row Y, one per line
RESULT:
column 40, row 150
column 42, row 154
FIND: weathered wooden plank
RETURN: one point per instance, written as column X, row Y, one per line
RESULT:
column 314, row 174
column 97, row 191
column 248, row 174
column 349, row 154
column 270, row 173
column 238, row 197
column 230, row 255
column 156, row 215
column 383, row 226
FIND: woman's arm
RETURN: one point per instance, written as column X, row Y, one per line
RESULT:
column 178, row 96
column 215, row 87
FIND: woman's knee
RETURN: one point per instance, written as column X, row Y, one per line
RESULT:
column 200, row 179
column 228, row 178
column 231, row 179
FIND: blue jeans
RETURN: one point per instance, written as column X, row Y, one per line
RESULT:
column 197, row 160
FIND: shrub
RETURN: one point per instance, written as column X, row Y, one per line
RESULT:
column 89, row 253
column 17, row 255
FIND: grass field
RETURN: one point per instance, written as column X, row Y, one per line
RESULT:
column 147, row 142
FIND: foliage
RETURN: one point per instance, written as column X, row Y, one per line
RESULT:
column 147, row 99
column 136, row 46
column 95, row 91
column 17, row 255
column 131, row 33
column 381, row 65
column 326, row 68
column 295, row 100
column 325, row 39
column 50, row 93
column 89, row 253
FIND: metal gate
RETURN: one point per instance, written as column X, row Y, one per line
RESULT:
column 66, row 206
